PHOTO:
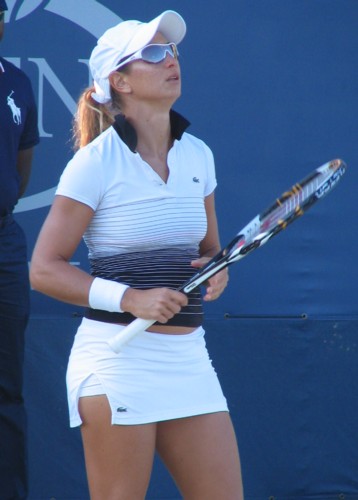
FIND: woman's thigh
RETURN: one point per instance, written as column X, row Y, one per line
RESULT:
column 118, row 458
column 202, row 455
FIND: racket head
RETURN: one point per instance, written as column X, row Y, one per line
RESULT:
column 287, row 208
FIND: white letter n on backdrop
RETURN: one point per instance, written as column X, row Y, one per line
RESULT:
column 45, row 71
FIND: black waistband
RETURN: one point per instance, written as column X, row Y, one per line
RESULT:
column 190, row 320
column 5, row 220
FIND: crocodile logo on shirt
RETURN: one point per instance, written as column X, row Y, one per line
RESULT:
column 121, row 409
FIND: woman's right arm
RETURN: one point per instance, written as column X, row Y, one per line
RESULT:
column 52, row 274
column 50, row 270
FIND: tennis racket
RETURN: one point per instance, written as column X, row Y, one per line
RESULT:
column 286, row 209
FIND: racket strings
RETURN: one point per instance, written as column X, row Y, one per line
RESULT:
column 291, row 204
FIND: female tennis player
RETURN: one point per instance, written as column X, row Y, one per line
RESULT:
column 140, row 191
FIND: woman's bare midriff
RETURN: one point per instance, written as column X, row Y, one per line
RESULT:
column 170, row 330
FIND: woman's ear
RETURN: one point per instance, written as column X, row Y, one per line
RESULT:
column 119, row 82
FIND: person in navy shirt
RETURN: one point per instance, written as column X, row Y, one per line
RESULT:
column 18, row 135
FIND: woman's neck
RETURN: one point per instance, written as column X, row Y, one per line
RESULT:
column 154, row 139
column 153, row 130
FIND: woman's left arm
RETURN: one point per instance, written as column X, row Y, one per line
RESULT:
column 209, row 247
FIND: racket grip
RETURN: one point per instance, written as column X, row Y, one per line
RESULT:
column 129, row 332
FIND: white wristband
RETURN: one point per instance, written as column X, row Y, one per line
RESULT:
column 106, row 295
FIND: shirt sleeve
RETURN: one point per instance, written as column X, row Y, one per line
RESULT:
column 211, row 181
column 82, row 179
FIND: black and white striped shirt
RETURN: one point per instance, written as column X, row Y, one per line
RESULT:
column 144, row 232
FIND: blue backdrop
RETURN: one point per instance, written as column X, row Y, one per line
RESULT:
column 272, row 87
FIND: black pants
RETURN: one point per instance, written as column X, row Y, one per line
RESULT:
column 14, row 313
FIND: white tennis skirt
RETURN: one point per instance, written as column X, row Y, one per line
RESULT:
column 155, row 377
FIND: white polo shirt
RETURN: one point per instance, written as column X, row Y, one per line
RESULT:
column 144, row 232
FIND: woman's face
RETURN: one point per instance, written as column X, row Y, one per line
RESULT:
column 160, row 82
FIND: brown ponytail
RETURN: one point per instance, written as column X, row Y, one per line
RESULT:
column 92, row 118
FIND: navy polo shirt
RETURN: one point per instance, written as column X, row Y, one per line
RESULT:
column 18, row 129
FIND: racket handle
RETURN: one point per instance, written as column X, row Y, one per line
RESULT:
column 137, row 326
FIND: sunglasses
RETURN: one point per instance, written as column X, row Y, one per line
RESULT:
column 2, row 15
column 153, row 54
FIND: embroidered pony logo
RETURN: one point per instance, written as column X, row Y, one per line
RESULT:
column 16, row 112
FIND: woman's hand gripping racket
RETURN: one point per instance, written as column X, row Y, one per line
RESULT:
column 262, row 228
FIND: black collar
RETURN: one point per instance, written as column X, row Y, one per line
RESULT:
column 129, row 136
